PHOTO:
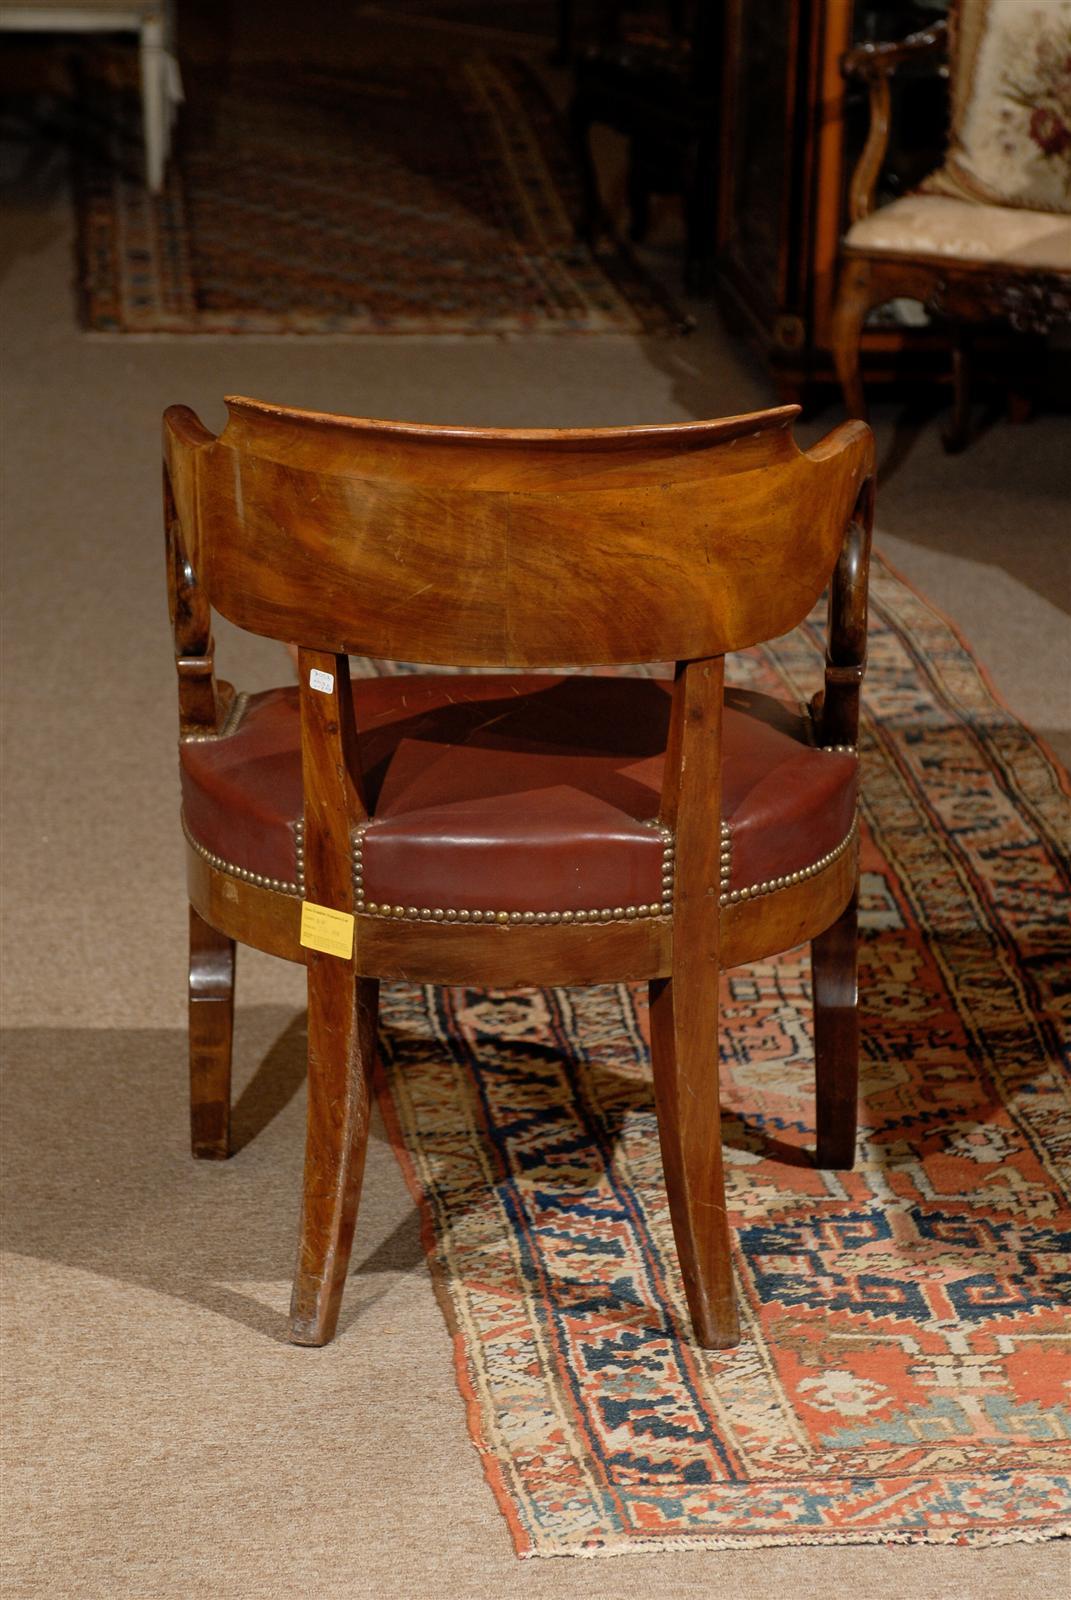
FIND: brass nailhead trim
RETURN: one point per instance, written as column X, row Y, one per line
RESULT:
column 371, row 908
column 280, row 885
column 839, row 749
column 540, row 918
column 235, row 713
column 754, row 890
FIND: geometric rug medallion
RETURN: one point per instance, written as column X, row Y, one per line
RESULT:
column 396, row 195
column 903, row 1372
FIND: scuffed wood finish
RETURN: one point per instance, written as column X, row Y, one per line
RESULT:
column 754, row 930
column 331, row 777
column 684, row 1008
column 625, row 952
column 836, row 1038
column 342, row 1008
column 203, row 702
column 253, row 915
column 511, row 956
column 342, row 1045
column 507, row 548
column 444, row 546
column 211, row 1019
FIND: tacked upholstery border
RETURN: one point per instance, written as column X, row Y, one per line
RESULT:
column 366, row 908
column 659, row 908
column 294, row 887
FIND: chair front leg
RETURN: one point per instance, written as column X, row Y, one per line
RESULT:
column 342, row 1041
column 684, row 1060
column 211, row 1002
column 855, row 298
column 834, row 961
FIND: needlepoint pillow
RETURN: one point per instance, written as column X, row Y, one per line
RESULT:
column 1011, row 104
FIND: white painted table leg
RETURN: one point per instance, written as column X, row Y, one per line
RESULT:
column 154, row 102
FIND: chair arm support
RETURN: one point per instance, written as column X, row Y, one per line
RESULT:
column 838, row 708
column 873, row 59
column 203, row 702
column 875, row 64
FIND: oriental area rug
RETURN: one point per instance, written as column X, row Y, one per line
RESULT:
column 395, row 196
column 903, row 1371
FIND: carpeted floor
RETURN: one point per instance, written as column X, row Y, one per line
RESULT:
column 414, row 191
column 907, row 1334
column 161, row 1439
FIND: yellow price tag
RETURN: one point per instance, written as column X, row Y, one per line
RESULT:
column 325, row 929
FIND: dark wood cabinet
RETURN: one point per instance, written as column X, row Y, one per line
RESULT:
column 790, row 132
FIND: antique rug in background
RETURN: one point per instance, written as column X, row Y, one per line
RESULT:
column 413, row 196
column 903, row 1371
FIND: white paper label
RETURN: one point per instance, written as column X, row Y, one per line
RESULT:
column 324, row 681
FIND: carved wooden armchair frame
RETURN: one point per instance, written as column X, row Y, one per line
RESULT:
column 515, row 549
column 964, row 291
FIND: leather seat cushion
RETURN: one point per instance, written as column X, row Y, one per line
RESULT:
column 966, row 230
column 517, row 793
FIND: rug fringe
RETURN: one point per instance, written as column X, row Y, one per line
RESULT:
column 750, row 1541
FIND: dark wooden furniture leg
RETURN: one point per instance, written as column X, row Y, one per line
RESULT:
column 684, row 1060
column 342, row 1042
column 836, row 1037
column 591, row 221
column 854, row 300
column 956, row 435
column 211, row 1032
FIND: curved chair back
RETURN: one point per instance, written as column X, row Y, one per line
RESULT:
column 511, row 547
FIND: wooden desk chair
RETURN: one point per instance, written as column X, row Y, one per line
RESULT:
column 516, row 828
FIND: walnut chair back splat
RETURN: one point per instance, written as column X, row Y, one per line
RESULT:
column 516, row 827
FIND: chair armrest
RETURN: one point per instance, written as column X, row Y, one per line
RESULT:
column 203, row 701
column 870, row 60
column 837, row 708
column 875, row 64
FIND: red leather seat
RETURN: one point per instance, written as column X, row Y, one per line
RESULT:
column 518, row 797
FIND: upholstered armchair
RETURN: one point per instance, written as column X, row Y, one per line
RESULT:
column 988, row 235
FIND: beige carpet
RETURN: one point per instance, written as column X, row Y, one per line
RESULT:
column 162, row 1439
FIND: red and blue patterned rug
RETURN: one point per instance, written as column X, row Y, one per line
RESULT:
column 904, row 1370
column 400, row 195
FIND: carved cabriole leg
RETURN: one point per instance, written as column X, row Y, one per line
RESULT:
column 211, row 1031
column 854, row 300
column 836, row 1037
column 342, row 1044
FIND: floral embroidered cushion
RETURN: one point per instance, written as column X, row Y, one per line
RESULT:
column 1011, row 105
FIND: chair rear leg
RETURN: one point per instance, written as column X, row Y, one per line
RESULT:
column 836, row 1037
column 342, row 1042
column 211, row 995
column 684, row 1059
column 956, row 434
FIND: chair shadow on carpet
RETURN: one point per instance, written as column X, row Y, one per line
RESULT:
column 99, row 1177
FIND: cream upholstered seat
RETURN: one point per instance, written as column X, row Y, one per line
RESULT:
column 937, row 225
